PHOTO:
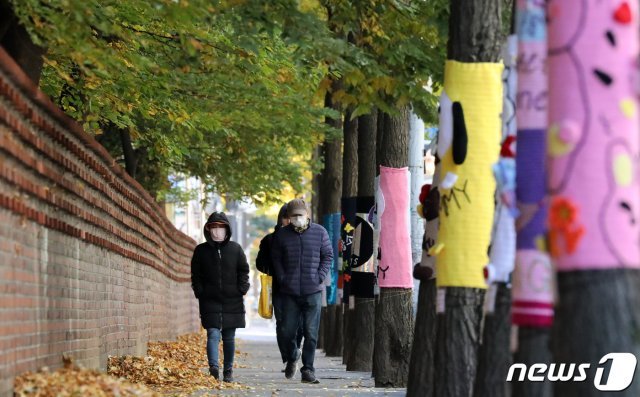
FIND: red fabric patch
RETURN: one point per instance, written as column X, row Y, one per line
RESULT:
column 507, row 149
column 623, row 13
column 424, row 192
column 528, row 320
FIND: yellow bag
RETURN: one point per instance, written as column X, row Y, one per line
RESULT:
column 265, row 306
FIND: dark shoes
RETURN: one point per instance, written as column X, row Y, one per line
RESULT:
column 308, row 376
column 228, row 375
column 292, row 366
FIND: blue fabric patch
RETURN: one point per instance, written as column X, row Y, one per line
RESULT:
column 331, row 222
column 531, row 24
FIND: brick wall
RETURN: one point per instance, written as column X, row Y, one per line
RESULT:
column 89, row 264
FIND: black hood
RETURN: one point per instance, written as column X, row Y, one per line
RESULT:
column 217, row 217
column 281, row 215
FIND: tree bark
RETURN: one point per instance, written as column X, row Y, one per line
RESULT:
column 533, row 347
column 331, row 176
column 367, row 137
column 421, row 382
column 6, row 17
column 475, row 35
column 359, row 349
column 494, row 356
column 15, row 39
column 596, row 314
column 532, row 342
column 350, row 162
column 394, row 310
column 379, row 135
column 349, row 189
column 331, row 191
column 597, row 308
column 130, row 155
column 17, row 42
column 393, row 336
column 315, row 188
column 458, row 337
column 346, row 333
column 394, row 143
column 475, row 31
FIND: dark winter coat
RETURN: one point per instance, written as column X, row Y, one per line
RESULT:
column 264, row 263
column 220, row 278
column 301, row 260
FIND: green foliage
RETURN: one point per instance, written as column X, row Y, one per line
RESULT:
column 405, row 43
column 383, row 51
column 232, row 91
column 197, row 97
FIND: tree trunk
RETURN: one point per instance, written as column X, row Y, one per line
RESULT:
column 349, row 186
column 346, row 334
column 350, row 157
column 367, row 138
column 458, row 337
column 494, row 356
column 331, row 191
column 393, row 336
column 421, row 382
column 531, row 118
column 130, row 155
column 394, row 311
column 15, row 39
column 315, row 188
column 596, row 253
column 475, row 28
column 393, row 143
column 533, row 347
column 315, row 211
column 596, row 314
column 331, row 177
column 475, row 31
column 6, row 17
column 359, row 349
column 379, row 135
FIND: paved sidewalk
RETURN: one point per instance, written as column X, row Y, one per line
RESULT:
column 261, row 365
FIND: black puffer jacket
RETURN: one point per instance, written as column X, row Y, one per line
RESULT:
column 220, row 278
column 264, row 263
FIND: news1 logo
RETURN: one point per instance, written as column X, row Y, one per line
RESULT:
column 622, row 367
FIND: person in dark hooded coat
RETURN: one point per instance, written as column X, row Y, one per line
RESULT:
column 265, row 265
column 220, row 279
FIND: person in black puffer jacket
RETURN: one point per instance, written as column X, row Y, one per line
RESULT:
column 220, row 279
column 265, row 265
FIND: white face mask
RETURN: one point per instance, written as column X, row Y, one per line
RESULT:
column 299, row 220
column 218, row 234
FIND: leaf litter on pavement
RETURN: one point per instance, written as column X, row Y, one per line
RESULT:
column 170, row 368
